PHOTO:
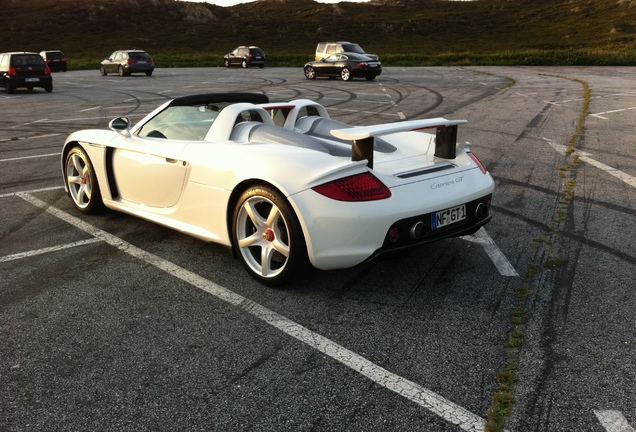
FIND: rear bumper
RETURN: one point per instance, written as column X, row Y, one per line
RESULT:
column 344, row 234
column 415, row 231
column 359, row 73
column 19, row 81
column 139, row 68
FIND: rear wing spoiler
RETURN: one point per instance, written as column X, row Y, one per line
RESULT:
column 362, row 136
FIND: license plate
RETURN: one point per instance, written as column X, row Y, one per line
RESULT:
column 31, row 79
column 449, row 216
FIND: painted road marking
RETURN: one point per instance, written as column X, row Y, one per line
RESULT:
column 585, row 157
column 613, row 421
column 30, row 157
column 47, row 250
column 29, row 138
column 91, row 109
column 498, row 258
column 412, row 391
column 600, row 115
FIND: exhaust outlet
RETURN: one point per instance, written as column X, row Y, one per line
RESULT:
column 481, row 211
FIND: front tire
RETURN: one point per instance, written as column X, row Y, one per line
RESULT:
column 82, row 182
column 310, row 72
column 345, row 74
column 226, row 62
column 102, row 71
column 267, row 236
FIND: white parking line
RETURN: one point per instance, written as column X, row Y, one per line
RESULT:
column 29, row 138
column 613, row 421
column 47, row 250
column 91, row 109
column 498, row 258
column 585, row 157
column 30, row 157
column 412, row 391
column 600, row 115
column 11, row 194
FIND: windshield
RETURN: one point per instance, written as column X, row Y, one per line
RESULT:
column 190, row 123
column 26, row 59
column 354, row 48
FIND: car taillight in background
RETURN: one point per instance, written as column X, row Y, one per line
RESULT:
column 477, row 161
column 359, row 187
column 11, row 71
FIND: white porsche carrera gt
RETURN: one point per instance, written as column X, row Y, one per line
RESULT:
column 282, row 184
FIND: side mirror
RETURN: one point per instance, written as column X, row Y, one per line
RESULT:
column 121, row 125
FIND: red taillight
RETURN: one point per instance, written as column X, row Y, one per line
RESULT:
column 131, row 61
column 11, row 71
column 151, row 61
column 362, row 64
column 477, row 161
column 359, row 187
column 47, row 70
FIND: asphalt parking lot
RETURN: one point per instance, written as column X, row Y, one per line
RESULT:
column 113, row 323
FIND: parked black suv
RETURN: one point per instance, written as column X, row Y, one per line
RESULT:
column 126, row 62
column 55, row 60
column 245, row 56
column 24, row 69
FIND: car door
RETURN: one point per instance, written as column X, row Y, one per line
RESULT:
column 329, row 66
column 149, row 171
column 109, row 64
column 243, row 54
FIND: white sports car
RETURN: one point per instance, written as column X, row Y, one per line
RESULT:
column 282, row 184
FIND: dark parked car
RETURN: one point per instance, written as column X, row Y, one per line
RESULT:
column 126, row 62
column 245, row 56
column 55, row 60
column 24, row 69
column 345, row 66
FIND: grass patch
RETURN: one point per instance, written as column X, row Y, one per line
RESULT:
column 503, row 399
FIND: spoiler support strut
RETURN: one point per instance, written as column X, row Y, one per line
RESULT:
column 446, row 142
column 362, row 149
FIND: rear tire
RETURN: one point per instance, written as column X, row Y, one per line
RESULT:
column 244, row 64
column 370, row 77
column 10, row 88
column 48, row 88
column 121, row 71
column 267, row 236
column 345, row 74
column 148, row 73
